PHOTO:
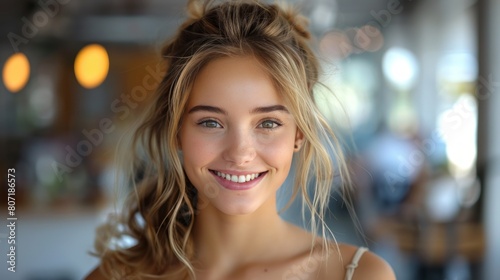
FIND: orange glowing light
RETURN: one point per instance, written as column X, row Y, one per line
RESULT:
column 91, row 66
column 16, row 72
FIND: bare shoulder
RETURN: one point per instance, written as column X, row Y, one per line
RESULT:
column 95, row 274
column 370, row 266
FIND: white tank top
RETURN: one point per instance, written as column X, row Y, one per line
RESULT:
column 354, row 263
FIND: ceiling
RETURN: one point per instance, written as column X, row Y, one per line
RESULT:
column 142, row 21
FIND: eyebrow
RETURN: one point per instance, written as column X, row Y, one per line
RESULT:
column 258, row 110
column 269, row 109
column 207, row 108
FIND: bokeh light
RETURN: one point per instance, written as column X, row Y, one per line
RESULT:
column 400, row 67
column 335, row 45
column 16, row 72
column 457, row 127
column 369, row 38
column 91, row 66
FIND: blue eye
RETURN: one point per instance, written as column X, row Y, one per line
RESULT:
column 210, row 124
column 269, row 124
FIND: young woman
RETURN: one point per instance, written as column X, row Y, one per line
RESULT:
column 234, row 108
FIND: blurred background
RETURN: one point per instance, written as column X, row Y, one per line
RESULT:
column 419, row 86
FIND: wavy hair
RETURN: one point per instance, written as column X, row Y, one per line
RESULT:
column 161, row 209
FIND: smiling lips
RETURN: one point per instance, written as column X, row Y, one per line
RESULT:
column 238, row 178
column 238, row 182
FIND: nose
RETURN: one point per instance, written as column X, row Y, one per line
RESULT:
column 240, row 147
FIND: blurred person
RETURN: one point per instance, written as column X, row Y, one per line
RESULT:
column 234, row 108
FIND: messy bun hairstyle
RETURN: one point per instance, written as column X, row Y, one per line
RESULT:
column 160, row 212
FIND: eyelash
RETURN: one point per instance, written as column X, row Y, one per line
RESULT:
column 204, row 123
column 275, row 124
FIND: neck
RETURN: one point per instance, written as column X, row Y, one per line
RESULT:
column 237, row 239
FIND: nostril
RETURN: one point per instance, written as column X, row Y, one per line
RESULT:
column 239, row 156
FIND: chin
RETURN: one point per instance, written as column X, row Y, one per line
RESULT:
column 238, row 209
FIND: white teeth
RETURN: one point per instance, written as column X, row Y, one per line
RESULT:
column 241, row 179
column 236, row 178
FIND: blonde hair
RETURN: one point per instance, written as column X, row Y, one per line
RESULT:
column 162, row 207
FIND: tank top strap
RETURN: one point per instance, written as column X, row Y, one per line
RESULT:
column 350, row 268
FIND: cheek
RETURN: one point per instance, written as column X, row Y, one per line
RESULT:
column 197, row 151
column 194, row 151
column 193, row 157
column 278, row 152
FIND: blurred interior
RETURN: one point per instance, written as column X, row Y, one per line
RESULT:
column 418, row 85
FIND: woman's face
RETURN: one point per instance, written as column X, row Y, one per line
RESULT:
column 237, row 136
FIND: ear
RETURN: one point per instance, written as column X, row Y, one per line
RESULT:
column 299, row 140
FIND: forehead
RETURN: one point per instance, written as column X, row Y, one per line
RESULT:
column 236, row 79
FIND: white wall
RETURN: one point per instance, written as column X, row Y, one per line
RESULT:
column 49, row 245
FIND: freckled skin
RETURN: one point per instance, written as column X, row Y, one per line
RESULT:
column 239, row 142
